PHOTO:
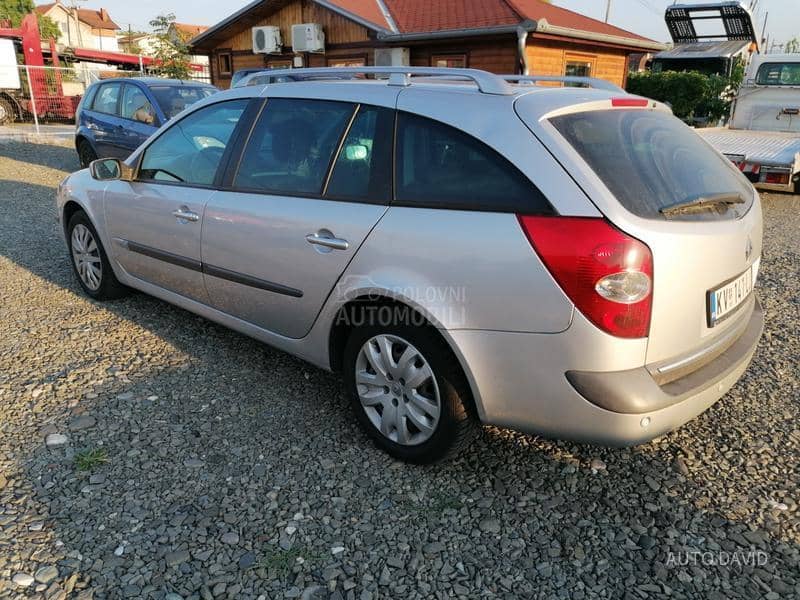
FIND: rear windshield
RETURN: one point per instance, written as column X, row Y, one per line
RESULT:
column 787, row 73
column 174, row 98
column 650, row 160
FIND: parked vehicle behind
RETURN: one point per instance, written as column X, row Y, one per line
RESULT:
column 116, row 116
column 763, row 137
column 567, row 261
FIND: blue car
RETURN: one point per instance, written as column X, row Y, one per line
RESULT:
column 116, row 116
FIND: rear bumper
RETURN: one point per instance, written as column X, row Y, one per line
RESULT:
column 522, row 387
column 636, row 391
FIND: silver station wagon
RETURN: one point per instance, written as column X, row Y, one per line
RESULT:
column 464, row 248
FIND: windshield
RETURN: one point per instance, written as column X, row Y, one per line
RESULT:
column 787, row 73
column 650, row 161
column 174, row 98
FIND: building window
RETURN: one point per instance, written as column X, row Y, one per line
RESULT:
column 279, row 64
column 348, row 61
column 225, row 63
column 578, row 68
column 450, row 61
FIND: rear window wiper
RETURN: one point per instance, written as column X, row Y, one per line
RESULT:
column 703, row 202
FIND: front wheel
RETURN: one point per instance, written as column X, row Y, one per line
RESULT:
column 90, row 262
column 86, row 153
column 408, row 392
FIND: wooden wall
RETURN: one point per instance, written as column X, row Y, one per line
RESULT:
column 549, row 57
column 338, row 30
column 347, row 39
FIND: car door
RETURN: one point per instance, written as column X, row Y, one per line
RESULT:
column 155, row 221
column 104, row 121
column 140, row 116
column 313, row 180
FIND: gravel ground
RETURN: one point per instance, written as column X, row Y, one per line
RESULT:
column 187, row 461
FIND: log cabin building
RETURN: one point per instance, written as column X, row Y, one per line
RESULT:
column 502, row 36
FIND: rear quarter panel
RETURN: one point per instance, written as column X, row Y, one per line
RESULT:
column 461, row 269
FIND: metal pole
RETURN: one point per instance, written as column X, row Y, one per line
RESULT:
column 608, row 9
column 33, row 99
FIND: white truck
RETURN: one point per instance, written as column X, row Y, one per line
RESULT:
column 763, row 134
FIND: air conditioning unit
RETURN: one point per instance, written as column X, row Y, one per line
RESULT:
column 267, row 40
column 308, row 37
column 392, row 57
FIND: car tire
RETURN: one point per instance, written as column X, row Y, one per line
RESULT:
column 7, row 112
column 86, row 153
column 456, row 425
column 90, row 261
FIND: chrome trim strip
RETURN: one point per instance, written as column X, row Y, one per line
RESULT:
column 666, row 372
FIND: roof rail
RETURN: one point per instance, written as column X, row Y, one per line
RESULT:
column 592, row 82
column 488, row 83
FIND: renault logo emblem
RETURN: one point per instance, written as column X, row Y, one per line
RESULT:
column 748, row 248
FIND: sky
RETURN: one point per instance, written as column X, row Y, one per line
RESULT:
column 645, row 17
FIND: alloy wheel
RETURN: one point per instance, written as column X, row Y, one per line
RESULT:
column 397, row 389
column 86, row 255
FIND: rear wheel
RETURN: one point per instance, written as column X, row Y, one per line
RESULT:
column 90, row 262
column 86, row 153
column 408, row 392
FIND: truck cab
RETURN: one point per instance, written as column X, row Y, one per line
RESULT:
column 769, row 100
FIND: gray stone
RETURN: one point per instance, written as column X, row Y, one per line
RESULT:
column 230, row 538
column 82, row 422
column 175, row 558
column 247, row 560
column 46, row 574
column 489, row 526
column 55, row 440
column 22, row 580
column 433, row 548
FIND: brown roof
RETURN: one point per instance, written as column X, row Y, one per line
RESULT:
column 96, row 19
column 399, row 17
column 415, row 16
column 187, row 31
column 555, row 15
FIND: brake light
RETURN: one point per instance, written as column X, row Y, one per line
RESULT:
column 630, row 102
column 606, row 273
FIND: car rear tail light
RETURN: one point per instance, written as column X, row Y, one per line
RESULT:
column 777, row 177
column 606, row 273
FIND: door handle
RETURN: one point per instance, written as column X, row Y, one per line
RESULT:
column 184, row 213
column 326, row 239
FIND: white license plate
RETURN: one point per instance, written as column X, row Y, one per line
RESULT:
column 725, row 299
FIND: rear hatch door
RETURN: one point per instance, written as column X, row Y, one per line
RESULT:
column 646, row 172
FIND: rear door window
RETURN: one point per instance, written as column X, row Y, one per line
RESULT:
column 363, row 169
column 650, row 160
column 292, row 146
column 174, row 98
column 439, row 166
column 107, row 99
column 136, row 106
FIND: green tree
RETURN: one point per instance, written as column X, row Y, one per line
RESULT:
column 691, row 94
column 171, row 56
column 15, row 10
column 793, row 46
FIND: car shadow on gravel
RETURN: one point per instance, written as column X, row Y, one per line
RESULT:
column 225, row 468
column 61, row 156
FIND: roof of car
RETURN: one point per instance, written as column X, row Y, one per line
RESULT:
column 152, row 81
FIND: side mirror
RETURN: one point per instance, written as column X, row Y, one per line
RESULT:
column 110, row 169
